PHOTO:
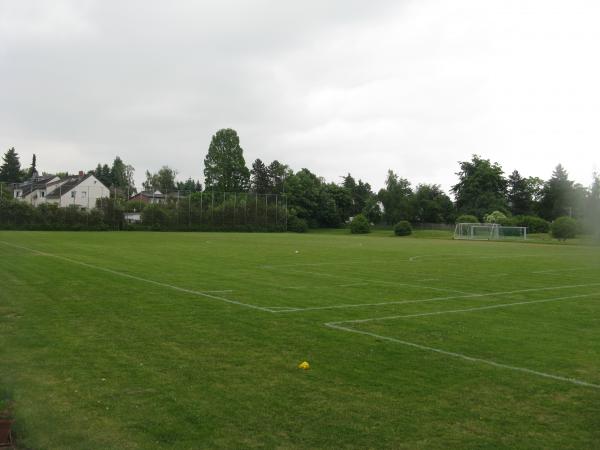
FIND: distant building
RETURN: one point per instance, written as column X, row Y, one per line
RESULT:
column 155, row 197
column 132, row 217
column 79, row 190
column 34, row 190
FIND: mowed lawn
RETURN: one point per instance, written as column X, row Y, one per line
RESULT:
column 192, row 340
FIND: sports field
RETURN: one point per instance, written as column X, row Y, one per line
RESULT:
column 192, row 340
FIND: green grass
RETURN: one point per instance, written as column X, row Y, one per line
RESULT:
column 91, row 358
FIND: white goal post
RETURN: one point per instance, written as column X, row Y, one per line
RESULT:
column 488, row 232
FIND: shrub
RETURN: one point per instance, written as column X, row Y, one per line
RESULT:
column 467, row 218
column 534, row 224
column 360, row 225
column 403, row 228
column 495, row 217
column 297, row 225
column 564, row 228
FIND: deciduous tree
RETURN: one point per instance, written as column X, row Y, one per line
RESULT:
column 224, row 166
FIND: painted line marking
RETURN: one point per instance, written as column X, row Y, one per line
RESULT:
column 370, row 281
column 563, row 270
column 479, row 308
column 339, row 326
column 466, row 357
column 145, row 280
column 438, row 299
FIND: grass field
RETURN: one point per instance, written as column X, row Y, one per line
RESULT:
column 175, row 340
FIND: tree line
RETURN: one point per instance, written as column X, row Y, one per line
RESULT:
column 482, row 188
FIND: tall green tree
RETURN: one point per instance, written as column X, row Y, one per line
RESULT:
column 360, row 193
column 396, row 198
column 33, row 167
column 521, row 194
column 224, row 165
column 558, row 195
column 481, row 187
column 121, row 174
column 432, row 205
column 261, row 181
column 163, row 180
column 278, row 173
column 10, row 170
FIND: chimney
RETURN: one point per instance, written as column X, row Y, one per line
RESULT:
column 81, row 174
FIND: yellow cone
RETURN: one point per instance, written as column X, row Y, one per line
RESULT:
column 304, row 365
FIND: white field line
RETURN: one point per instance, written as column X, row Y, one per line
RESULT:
column 438, row 299
column 563, row 270
column 339, row 326
column 145, row 280
column 478, row 308
column 327, row 286
column 466, row 357
column 452, row 257
column 370, row 281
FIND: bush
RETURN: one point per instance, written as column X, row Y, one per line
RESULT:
column 403, row 228
column 534, row 224
column 467, row 218
column 297, row 225
column 360, row 225
column 564, row 228
column 495, row 217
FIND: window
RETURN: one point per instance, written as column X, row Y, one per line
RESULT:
column 42, row 194
column 73, row 194
column 83, row 194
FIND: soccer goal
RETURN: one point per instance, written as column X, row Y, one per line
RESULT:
column 488, row 232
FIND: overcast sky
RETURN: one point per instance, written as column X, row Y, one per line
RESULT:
column 334, row 86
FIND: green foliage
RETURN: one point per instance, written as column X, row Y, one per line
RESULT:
column 430, row 204
column 261, row 180
column 372, row 210
column 163, row 180
column 224, row 165
column 481, row 187
column 17, row 215
column 403, row 228
column 10, row 170
column 564, row 228
column 32, row 168
column 360, row 225
column 296, row 224
column 396, row 198
column 559, row 196
column 522, row 193
column 189, row 185
column 495, row 217
column 467, row 218
column 534, row 224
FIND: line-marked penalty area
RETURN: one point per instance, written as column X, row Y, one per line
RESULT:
column 340, row 326
column 205, row 294
column 434, row 299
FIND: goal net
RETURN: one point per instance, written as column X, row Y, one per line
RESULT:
column 488, row 232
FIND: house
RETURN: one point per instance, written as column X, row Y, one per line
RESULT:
column 80, row 190
column 34, row 190
column 155, row 197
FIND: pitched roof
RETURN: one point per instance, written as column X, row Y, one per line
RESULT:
column 27, row 187
column 67, row 186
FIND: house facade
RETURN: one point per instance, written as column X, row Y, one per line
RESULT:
column 79, row 190
column 34, row 191
column 82, row 191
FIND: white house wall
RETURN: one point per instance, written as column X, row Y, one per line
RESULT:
column 86, row 194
